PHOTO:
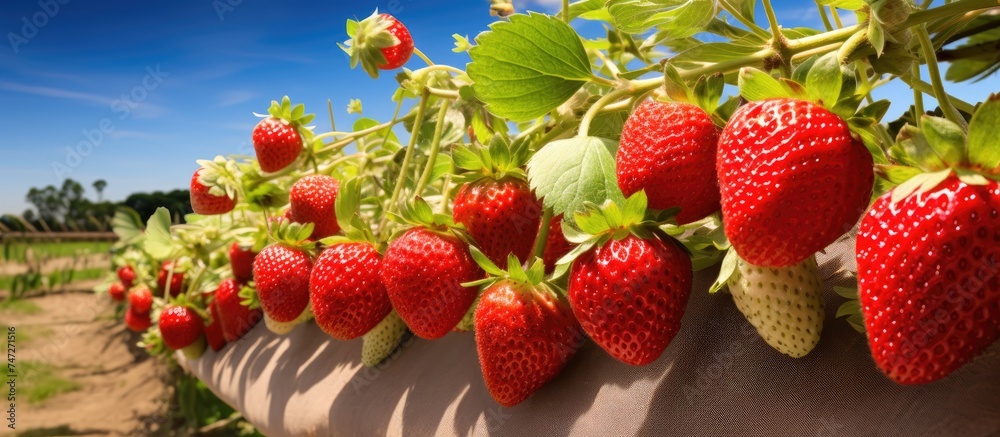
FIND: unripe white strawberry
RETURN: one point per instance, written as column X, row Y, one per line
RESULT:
column 383, row 340
column 784, row 304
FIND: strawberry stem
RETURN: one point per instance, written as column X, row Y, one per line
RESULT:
column 394, row 199
column 565, row 11
column 735, row 13
column 944, row 100
column 421, row 54
column 824, row 17
column 543, row 233
column 435, row 147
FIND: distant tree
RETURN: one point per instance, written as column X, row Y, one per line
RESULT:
column 178, row 202
column 99, row 186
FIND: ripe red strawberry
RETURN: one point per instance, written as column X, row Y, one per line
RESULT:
column 282, row 276
column 136, row 321
column 241, row 261
column 140, row 300
column 793, row 179
column 213, row 331
column 182, row 328
column 126, row 274
column 176, row 281
column 423, row 272
column 277, row 144
column 347, row 295
column 117, row 291
column 501, row 215
column 668, row 149
column 205, row 203
column 236, row 319
column 312, row 199
column 396, row 55
column 556, row 245
column 927, row 279
column 525, row 335
column 379, row 42
column 630, row 294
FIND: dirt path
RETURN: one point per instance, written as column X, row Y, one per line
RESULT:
column 120, row 389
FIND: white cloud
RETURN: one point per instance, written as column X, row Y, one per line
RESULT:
column 235, row 97
column 57, row 93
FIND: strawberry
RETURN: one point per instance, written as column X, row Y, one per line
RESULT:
column 117, row 291
column 347, row 295
column 182, row 329
column 241, row 262
column 630, row 295
column 556, row 245
column 525, row 335
column 501, row 215
column 140, row 300
column 236, row 318
column 379, row 42
column 204, row 202
column 126, row 274
column 423, row 272
column 136, row 321
column 784, row 304
column 176, row 280
column 793, row 179
column 312, row 199
column 282, row 273
column 927, row 277
column 277, row 143
column 668, row 150
column 213, row 331
column 379, row 343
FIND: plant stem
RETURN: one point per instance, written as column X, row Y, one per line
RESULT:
column 448, row 94
column 565, row 11
column 543, row 233
column 944, row 101
column 406, row 158
column 421, row 54
column 918, row 96
column 926, row 88
column 445, row 194
column 836, row 17
column 822, row 15
column 772, row 21
column 744, row 20
column 435, row 147
column 349, row 137
column 596, row 108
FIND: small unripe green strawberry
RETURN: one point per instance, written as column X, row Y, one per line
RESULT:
column 784, row 304
column 379, row 343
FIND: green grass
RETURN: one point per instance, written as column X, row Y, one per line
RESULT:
column 61, row 277
column 17, row 251
column 38, row 381
column 19, row 306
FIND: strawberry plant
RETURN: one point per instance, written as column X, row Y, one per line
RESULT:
column 552, row 192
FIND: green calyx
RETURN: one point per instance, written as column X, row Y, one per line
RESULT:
column 248, row 296
column 706, row 92
column 597, row 225
column 294, row 235
column 419, row 214
column 938, row 148
column 368, row 38
column 851, row 309
column 221, row 175
column 294, row 114
column 496, row 161
column 532, row 278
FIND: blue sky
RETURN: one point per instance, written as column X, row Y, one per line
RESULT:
column 175, row 81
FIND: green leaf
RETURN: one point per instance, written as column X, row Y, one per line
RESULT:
column 823, row 83
column 566, row 173
column 589, row 10
column 846, row 292
column 466, row 159
column 984, row 135
column 634, row 210
column 677, row 90
column 726, row 271
column 158, row 242
column 593, row 221
column 897, row 174
column 875, row 111
column 126, row 224
column 848, row 308
column 347, row 202
column 876, row 36
column 946, row 138
column 758, row 85
column 708, row 92
column 528, row 66
column 609, row 124
column 672, row 18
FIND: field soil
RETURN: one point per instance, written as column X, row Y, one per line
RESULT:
column 120, row 389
